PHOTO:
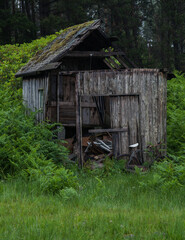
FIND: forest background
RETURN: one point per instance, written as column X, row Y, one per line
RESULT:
column 151, row 32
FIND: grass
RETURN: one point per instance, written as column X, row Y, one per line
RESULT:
column 112, row 208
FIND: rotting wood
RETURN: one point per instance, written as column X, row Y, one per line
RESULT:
column 50, row 66
column 83, row 104
column 58, row 99
column 113, row 63
column 108, row 64
column 122, row 62
column 92, row 54
column 79, row 123
column 119, row 58
column 109, row 95
column 110, row 130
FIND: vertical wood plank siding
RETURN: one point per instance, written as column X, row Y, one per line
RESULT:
column 31, row 89
column 146, row 114
column 143, row 112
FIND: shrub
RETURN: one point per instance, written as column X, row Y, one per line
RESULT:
column 68, row 194
column 26, row 149
column 167, row 175
column 50, row 178
column 29, row 150
column 21, row 138
column 176, row 115
column 13, row 57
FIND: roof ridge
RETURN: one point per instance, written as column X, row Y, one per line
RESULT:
column 56, row 49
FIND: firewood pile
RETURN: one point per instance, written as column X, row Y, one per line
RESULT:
column 98, row 147
column 95, row 147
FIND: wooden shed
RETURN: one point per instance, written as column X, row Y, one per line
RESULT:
column 84, row 82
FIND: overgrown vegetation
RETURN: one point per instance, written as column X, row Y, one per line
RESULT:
column 28, row 149
column 32, row 159
column 176, row 115
column 13, row 57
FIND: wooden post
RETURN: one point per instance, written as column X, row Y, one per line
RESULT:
column 139, row 131
column 58, row 98
column 58, row 101
column 78, row 122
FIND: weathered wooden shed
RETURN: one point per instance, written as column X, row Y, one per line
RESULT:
column 84, row 82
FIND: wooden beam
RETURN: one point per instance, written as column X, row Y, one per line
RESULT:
column 113, row 63
column 108, row 64
column 58, row 99
column 78, row 122
column 50, row 66
column 110, row 95
column 119, row 58
column 93, row 54
column 71, row 104
column 122, row 62
column 110, row 130
column 69, row 124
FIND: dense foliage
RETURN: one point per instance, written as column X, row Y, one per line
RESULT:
column 176, row 115
column 13, row 57
column 29, row 150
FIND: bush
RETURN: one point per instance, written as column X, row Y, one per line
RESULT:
column 68, row 194
column 50, row 178
column 21, row 140
column 167, row 175
column 13, row 57
column 29, row 150
column 176, row 115
column 26, row 149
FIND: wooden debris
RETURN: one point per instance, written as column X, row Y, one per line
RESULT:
column 69, row 143
column 85, row 141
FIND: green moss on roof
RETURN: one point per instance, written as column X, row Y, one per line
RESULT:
column 64, row 37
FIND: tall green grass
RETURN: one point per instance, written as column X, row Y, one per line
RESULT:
column 114, row 207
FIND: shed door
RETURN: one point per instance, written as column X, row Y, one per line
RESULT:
column 125, row 113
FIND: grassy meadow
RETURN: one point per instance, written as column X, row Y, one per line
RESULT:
column 115, row 207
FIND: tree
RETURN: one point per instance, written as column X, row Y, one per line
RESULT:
column 17, row 21
column 167, row 33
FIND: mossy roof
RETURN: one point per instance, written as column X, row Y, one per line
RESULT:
column 54, row 51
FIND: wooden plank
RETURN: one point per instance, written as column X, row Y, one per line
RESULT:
column 69, row 124
column 108, row 64
column 79, row 122
column 110, row 130
column 83, row 104
column 124, row 135
column 109, row 95
column 85, row 111
column 113, row 104
column 122, row 62
column 113, row 63
column 50, row 66
column 58, row 99
column 47, row 96
column 119, row 124
column 92, row 54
